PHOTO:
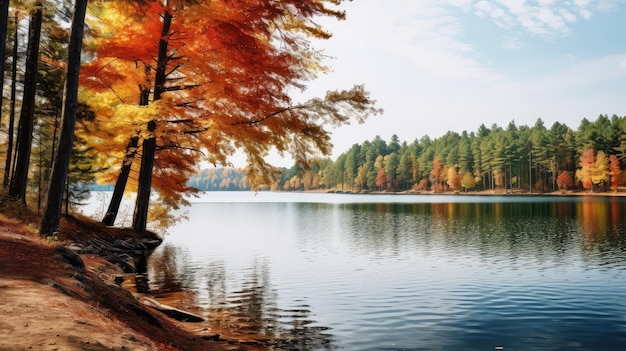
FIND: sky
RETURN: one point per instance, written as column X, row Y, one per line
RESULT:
column 451, row 65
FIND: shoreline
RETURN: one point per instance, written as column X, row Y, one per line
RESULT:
column 515, row 192
column 54, row 299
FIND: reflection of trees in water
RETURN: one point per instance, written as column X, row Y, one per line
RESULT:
column 251, row 311
column 545, row 229
column 165, row 275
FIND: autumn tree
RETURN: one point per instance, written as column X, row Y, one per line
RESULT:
column 381, row 179
column 468, row 181
column 564, row 180
column 217, row 81
column 585, row 172
column 454, row 179
column 437, row 175
column 615, row 172
column 600, row 170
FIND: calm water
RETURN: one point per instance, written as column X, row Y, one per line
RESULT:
column 369, row 272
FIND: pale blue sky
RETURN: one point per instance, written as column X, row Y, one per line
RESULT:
column 440, row 65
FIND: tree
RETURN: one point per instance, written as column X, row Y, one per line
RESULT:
column 240, row 60
column 454, row 179
column 437, row 175
column 8, row 165
column 404, row 171
column 615, row 172
column 564, row 180
column 585, row 172
column 381, row 179
column 4, row 24
column 58, row 178
column 600, row 170
column 391, row 168
column 468, row 181
column 17, row 189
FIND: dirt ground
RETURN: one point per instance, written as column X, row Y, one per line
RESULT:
column 48, row 304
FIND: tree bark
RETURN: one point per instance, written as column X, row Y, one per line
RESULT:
column 120, row 184
column 58, row 177
column 17, row 190
column 8, row 165
column 4, row 23
column 140, row 216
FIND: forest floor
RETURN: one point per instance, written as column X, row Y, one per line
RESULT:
column 47, row 303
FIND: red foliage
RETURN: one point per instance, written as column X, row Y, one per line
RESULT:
column 564, row 181
column 381, row 179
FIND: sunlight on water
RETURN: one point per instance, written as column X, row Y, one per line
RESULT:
column 322, row 271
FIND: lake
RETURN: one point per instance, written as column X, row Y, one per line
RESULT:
column 403, row 272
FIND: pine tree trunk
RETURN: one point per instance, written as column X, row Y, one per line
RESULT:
column 120, row 184
column 8, row 165
column 17, row 190
column 140, row 216
column 58, row 177
column 4, row 24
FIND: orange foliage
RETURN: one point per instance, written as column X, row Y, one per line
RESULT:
column 587, row 163
column 437, row 174
column 615, row 172
column 381, row 179
column 230, row 66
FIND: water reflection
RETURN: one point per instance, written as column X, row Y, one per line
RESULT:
column 247, row 312
column 554, row 225
column 531, row 274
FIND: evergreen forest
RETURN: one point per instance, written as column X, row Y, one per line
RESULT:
column 514, row 158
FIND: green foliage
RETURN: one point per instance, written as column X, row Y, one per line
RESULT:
column 490, row 158
column 220, row 179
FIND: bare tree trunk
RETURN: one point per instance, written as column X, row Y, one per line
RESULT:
column 8, row 165
column 4, row 23
column 17, row 189
column 120, row 184
column 140, row 216
column 58, row 177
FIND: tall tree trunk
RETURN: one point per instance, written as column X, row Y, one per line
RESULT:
column 4, row 24
column 140, row 216
column 17, row 189
column 120, row 184
column 8, row 165
column 58, row 177
column 131, row 151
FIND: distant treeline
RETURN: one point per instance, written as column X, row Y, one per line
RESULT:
column 590, row 157
column 220, row 179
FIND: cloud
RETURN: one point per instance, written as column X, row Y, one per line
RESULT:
column 418, row 59
column 544, row 18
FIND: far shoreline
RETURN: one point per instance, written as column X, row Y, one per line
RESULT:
column 515, row 192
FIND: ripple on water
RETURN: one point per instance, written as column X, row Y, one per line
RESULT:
column 418, row 277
